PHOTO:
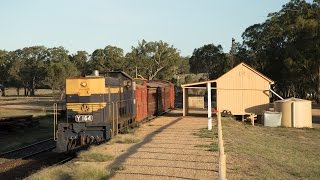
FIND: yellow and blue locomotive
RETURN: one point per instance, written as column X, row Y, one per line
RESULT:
column 97, row 107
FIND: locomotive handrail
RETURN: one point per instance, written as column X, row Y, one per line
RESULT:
column 124, row 100
column 112, row 118
column 117, row 118
column 55, row 120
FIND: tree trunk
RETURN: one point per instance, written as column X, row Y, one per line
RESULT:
column 318, row 93
column 33, row 87
column 61, row 94
column 18, row 91
column 25, row 87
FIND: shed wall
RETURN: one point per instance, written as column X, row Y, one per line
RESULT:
column 196, row 102
column 241, row 91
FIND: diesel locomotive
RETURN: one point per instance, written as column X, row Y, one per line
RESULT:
column 100, row 106
column 97, row 108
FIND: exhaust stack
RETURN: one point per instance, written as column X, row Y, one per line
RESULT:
column 95, row 73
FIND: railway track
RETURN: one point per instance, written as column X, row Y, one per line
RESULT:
column 30, row 150
column 20, row 163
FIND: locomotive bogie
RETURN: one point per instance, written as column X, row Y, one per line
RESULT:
column 73, row 135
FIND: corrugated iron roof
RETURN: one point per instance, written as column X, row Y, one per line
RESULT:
column 241, row 64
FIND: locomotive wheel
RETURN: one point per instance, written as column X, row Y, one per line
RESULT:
column 71, row 144
column 88, row 140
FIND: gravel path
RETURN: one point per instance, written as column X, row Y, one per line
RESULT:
column 168, row 150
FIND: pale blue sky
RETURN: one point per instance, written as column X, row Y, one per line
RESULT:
column 92, row 24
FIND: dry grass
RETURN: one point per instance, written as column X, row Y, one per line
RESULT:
column 81, row 171
column 38, row 92
column 94, row 157
column 125, row 139
column 95, row 154
column 36, row 106
column 271, row 153
column 90, row 164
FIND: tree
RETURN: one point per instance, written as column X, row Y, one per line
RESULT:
column 58, row 54
column 114, row 58
column 286, row 48
column 97, row 60
column 80, row 59
column 110, row 58
column 57, row 74
column 4, row 66
column 59, row 67
column 153, row 60
column 209, row 59
column 28, row 67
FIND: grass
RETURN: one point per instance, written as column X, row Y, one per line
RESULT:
column 205, row 133
column 94, row 157
column 90, row 164
column 271, row 153
column 38, row 92
column 210, row 147
column 73, row 171
column 126, row 139
column 130, row 130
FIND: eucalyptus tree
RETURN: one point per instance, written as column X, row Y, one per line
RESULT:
column 110, row 58
column 209, row 59
column 286, row 47
column 113, row 58
column 4, row 66
column 97, row 60
column 59, row 67
column 28, row 67
column 152, row 60
column 80, row 59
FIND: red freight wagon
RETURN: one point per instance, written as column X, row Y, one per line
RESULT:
column 165, row 94
column 171, row 95
column 155, row 99
column 160, row 97
column 141, row 100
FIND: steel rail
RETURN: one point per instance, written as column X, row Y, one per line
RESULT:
column 25, row 147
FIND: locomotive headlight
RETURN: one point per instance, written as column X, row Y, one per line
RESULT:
column 83, row 84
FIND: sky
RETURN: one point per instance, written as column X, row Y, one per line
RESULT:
column 93, row 24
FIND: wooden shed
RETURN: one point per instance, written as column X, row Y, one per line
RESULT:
column 242, row 90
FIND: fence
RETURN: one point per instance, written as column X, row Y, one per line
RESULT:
column 222, row 156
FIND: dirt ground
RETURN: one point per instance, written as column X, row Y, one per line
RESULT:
column 36, row 106
column 169, row 150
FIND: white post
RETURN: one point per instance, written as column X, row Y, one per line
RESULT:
column 209, row 106
column 184, row 104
